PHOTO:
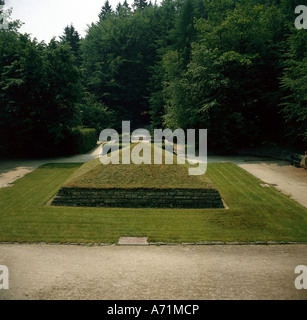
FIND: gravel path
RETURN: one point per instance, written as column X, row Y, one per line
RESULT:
column 148, row 273
column 12, row 170
column 288, row 179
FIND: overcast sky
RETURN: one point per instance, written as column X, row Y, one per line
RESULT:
column 45, row 19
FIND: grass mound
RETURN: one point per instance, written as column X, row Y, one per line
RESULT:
column 95, row 175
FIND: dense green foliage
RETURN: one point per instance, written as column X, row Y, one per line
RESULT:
column 230, row 83
column 235, row 67
column 79, row 141
column 39, row 89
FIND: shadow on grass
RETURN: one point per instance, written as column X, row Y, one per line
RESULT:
column 61, row 165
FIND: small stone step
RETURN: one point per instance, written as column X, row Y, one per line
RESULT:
column 133, row 241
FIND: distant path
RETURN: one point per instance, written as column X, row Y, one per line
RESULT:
column 286, row 178
column 56, row 272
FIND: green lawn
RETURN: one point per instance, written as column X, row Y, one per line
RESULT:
column 255, row 214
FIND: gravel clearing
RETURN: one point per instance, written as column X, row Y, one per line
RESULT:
column 59, row 272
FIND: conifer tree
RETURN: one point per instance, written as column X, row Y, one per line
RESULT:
column 140, row 4
column 106, row 10
column 72, row 37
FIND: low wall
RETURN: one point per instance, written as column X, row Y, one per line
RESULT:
column 139, row 198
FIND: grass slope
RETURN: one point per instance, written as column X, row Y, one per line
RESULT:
column 163, row 176
column 255, row 214
column 94, row 174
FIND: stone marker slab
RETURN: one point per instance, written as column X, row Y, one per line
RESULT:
column 133, row 241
